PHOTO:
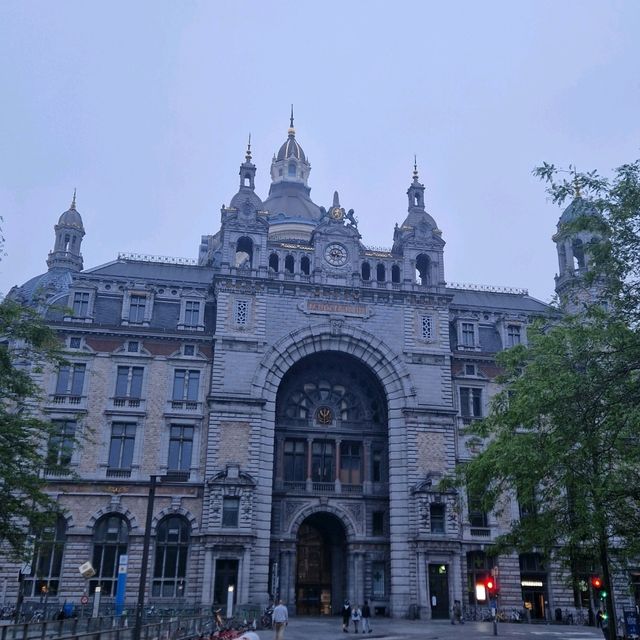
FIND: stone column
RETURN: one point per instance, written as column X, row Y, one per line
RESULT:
column 207, row 578
column 358, row 578
column 421, row 577
column 337, row 469
column 309, row 464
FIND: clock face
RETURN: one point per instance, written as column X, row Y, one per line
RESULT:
column 335, row 254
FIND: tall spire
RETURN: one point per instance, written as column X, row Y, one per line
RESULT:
column 248, row 154
column 415, row 168
column 73, row 202
column 291, row 131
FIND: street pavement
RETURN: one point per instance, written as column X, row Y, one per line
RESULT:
column 393, row 629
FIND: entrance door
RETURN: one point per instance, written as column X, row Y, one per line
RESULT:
column 439, row 591
column 226, row 576
column 320, row 570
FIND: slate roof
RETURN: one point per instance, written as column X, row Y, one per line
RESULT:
column 178, row 273
column 291, row 149
column 292, row 200
column 470, row 299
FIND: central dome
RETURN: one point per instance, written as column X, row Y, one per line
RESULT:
column 291, row 148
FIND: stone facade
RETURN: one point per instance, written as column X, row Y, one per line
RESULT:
column 299, row 394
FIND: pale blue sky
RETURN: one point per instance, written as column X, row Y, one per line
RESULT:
column 145, row 107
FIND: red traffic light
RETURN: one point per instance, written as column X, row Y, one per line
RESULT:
column 490, row 584
column 596, row 582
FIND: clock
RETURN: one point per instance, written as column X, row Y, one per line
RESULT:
column 335, row 254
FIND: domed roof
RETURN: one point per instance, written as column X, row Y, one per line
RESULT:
column 291, row 148
column 578, row 207
column 71, row 217
column 290, row 200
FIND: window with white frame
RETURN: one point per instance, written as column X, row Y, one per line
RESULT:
column 241, row 313
column 137, row 308
column 426, row 327
column 514, row 335
column 129, row 382
column 467, row 334
column 186, row 385
column 192, row 313
column 70, row 380
column 81, row 300
column 61, row 442
column 230, row 511
column 123, row 435
column 470, row 402
column 180, row 447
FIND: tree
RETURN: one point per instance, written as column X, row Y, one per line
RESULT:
column 562, row 436
column 27, row 346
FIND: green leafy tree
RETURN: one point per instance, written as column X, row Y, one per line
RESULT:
column 27, row 346
column 562, row 436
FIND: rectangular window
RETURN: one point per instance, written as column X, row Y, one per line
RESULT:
column 189, row 350
column 322, row 461
column 377, row 465
column 426, row 327
column 378, row 574
column 80, row 304
column 377, row 523
column 477, row 515
column 133, row 346
column 513, row 335
column 469, row 369
column 295, row 460
column 137, row 306
column 468, row 334
column 180, row 447
column 350, row 463
column 241, row 313
column 75, row 343
column 230, row 512
column 470, row 402
column 71, row 379
column 436, row 515
column 123, row 436
column 186, row 383
column 61, row 440
column 129, row 382
column 192, row 313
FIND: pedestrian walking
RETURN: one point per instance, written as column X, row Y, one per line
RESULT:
column 280, row 619
column 346, row 616
column 366, row 614
column 356, row 616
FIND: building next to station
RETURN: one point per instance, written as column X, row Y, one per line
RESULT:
column 299, row 394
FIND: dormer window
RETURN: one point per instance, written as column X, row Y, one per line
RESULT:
column 514, row 335
column 468, row 334
column 137, row 308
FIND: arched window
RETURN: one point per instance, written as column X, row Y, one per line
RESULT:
column 305, row 265
column 247, row 179
column 274, row 262
column 366, row 271
column 423, row 269
column 381, row 273
column 292, row 169
column 110, row 539
column 46, row 563
column 244, row 252
column 395, row 273
column 578, row 254
column 479, row 566
column 289, row 264
column 172, row 549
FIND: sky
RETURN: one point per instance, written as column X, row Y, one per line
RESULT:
column 145, row 107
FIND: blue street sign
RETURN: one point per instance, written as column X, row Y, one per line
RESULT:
column 122, row 584
column 631, row 622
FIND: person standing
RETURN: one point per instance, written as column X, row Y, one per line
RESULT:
column 356, row 616
column 346, row 616
column 366, row 614
column 280, row 619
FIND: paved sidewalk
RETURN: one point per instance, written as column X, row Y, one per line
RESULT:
column 330, row 628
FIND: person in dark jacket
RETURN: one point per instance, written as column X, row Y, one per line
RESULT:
column 366, row 614
column 346, row 616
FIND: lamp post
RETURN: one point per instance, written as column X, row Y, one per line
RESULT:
column 145, row 557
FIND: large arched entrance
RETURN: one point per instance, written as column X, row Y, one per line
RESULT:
column 332, row 462
column 321, row 558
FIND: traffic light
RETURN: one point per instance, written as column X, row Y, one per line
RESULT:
column 596, row 582
column 598, row 587
column 491, row 586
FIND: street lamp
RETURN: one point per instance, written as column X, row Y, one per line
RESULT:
column 153, row 480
